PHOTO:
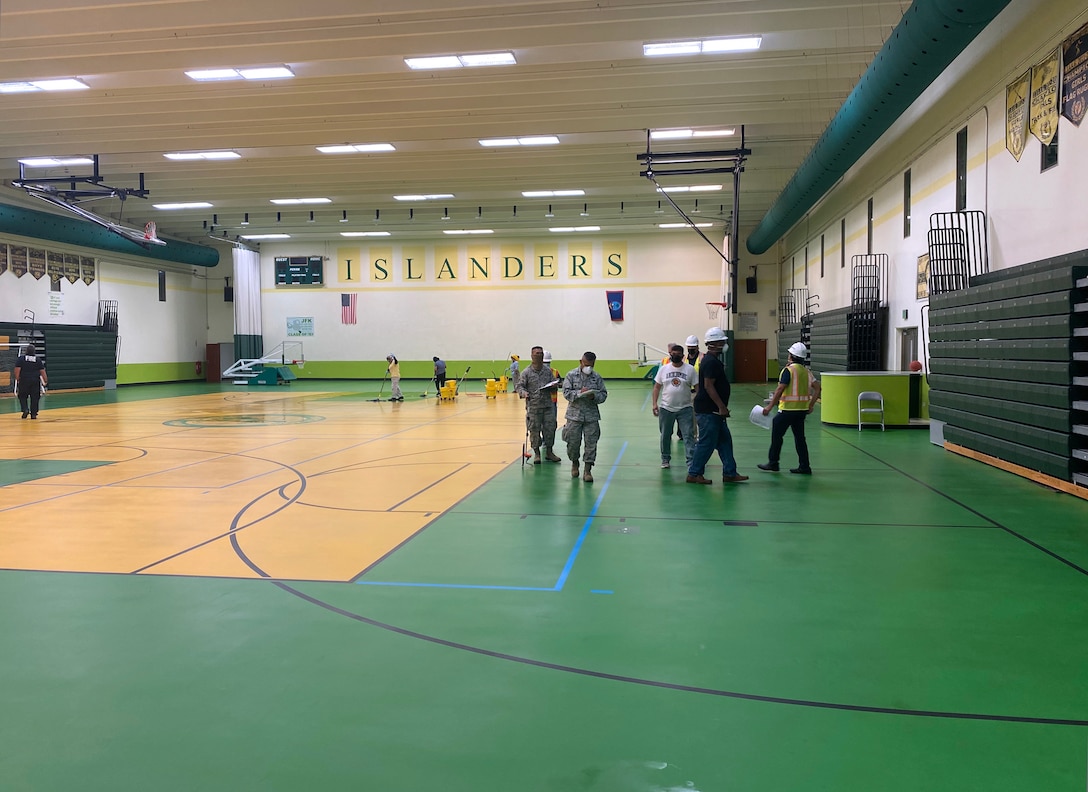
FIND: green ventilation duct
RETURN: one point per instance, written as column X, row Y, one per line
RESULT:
column 928, row 38
column 57, row 228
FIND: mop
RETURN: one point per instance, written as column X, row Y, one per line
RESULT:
column 382, row 388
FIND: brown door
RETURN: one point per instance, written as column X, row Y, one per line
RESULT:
column 750, row 359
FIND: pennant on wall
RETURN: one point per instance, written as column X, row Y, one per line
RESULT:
column 1075, row 76
column 3, row 258
column 18, row 261
column 36, row 263
column 1045, row 78
column 615, row 305
column 347, row 308
column 86, row 269
column 1016, row 114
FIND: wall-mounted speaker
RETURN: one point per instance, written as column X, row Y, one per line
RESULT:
column 228, row 294
column 750, row 285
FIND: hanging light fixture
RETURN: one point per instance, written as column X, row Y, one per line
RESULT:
column 479, row 213
column 277, row 217
column 549, row 213
column 445, row 214
column 245, row 220
column 696, row 209
column 377, row 215
column 311, row 215
column 585, row 210
column 344, row 216
column 659, row 210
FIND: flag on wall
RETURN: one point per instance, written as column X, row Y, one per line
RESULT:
column 615, row 305
column 347, row 308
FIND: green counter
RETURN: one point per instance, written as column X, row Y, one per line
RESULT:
column 840, row 389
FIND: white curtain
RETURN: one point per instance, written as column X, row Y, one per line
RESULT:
column 248, row 341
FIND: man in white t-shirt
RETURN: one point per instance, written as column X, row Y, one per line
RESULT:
column 672, row 402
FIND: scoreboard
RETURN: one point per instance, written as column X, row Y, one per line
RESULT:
column 300, row 271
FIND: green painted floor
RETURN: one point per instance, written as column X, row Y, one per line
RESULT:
column 905, row 620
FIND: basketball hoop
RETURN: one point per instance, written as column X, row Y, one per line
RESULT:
column 712, row 309
column 300, row 363
column 149, row 232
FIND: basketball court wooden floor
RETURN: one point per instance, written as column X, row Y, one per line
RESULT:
column 298, row 588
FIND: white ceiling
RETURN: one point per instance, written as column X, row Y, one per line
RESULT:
column 580, row 75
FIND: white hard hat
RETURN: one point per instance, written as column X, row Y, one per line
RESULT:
column 547, row 356
column 390, row 356
column 692, row 341
column 714, row 334
column 799, row 351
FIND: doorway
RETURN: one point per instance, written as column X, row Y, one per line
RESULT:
column 750, row 359
column 908, row 347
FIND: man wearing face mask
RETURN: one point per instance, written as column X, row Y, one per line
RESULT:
column 711, row 409
column 672, row 403
column 536, row 385
column 584, row 390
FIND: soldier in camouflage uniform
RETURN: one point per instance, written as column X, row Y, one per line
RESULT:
column 535, row 387
column 584, row 391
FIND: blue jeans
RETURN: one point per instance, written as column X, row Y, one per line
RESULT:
column 713, row 434
column 685, row 419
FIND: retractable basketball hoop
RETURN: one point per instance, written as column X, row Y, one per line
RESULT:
column 150, row 232
column 713, row 308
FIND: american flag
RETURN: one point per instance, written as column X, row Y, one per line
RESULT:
column 347, row 308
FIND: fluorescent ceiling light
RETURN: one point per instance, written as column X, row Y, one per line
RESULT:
column 571, row 229
column 266, row 236
column 294, row 201
column 535, row 140
column 551, row 193
column 488, row 59
column 202, row 155
column 189, row 205
column 269, row 73
column 463, row 231
column 67, row 84
column 364, row 233
column 684, row 225
column 432, row 197
column 695, row 188
column 703, row 46
column 682, row 134
column 434, row 62
column 353, row 148
column 53, row 162
column 459, row 61
column 734, row 44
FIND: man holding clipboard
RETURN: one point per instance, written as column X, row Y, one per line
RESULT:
column 536, row 385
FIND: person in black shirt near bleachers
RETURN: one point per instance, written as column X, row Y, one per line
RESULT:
column 30, row 376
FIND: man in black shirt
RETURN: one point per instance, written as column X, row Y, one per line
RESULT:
column 711, row 410
column 30, row 376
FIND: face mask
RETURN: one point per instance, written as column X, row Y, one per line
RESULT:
column 677, row 357
column 587, row 369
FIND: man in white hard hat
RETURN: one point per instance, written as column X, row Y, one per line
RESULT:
column 796, row 397
column 394, row 377
column 536, row 385
column 711, row 411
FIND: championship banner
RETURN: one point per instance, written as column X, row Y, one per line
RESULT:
column 36, row 263
column 18, row 261
column 71, row 267
column 615, row 305
column 1016, row 114
column 1075, row 76
column 3, row 258
column 54, row 267
column 86, row 269
column 1045, row 79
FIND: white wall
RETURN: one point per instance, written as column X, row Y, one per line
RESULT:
column 669, row 278
column 1031, row 215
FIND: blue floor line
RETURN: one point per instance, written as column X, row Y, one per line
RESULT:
column 585, row 527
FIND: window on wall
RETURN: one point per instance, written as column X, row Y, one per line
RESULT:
column 1050, row 155
column 821, row 255
column 869, row 227
column 906, row 204
column 961, row 170
column 842, row 244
